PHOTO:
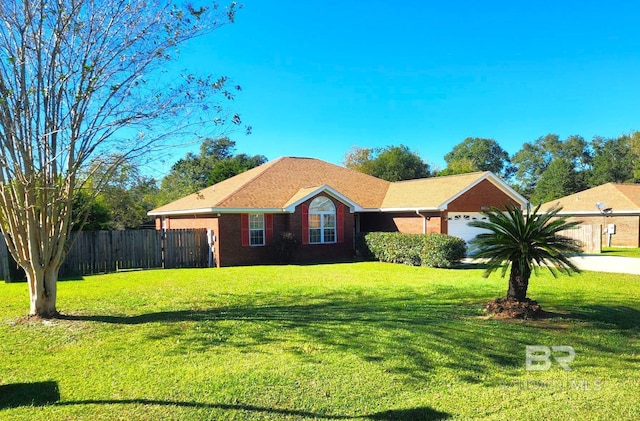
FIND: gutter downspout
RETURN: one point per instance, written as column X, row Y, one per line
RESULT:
column 424, row 221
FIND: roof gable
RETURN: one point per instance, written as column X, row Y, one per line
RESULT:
column 436, row 193
column 305, row 194
column 623, row 198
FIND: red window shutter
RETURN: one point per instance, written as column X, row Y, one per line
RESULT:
column 340, row 223
column 305, row 224
column 268, row 228
column 244, row 229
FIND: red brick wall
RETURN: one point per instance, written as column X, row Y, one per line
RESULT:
column 188, row 222
column 232, row 253
column 444, row 223
column 482, row 195
column 216, row 246
column 323, row 252
column 407, row 222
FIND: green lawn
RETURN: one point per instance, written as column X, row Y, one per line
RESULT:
column 346, row 341
column 621, row 251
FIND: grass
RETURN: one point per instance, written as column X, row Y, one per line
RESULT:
column 346, row 341
column 621, row 251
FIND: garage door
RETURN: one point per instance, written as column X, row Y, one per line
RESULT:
column 458, row 225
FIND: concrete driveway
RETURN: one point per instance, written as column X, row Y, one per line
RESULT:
column 603, row 263
column 596, row 263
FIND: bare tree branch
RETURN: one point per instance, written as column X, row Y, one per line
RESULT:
column 80, row 79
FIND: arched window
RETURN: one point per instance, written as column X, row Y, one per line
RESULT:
column 322, row 221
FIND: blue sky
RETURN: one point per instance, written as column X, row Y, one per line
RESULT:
column 321, row 76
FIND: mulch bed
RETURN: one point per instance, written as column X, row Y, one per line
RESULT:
column 513, row 309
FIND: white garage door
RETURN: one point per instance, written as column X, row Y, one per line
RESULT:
column 458, row 225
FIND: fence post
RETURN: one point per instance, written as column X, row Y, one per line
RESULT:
column 164, row 248
column 4, row 258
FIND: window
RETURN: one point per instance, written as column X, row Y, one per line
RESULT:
column 256, row 230
column 322, row 221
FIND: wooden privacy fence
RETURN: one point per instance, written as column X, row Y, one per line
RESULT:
column 589, row 237
column 110, row 251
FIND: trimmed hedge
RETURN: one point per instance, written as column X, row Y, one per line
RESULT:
column 433, row 250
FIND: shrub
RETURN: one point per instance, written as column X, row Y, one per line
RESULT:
column 394, row 247
column 433, row 250
column 442, row 250
column 283, row 246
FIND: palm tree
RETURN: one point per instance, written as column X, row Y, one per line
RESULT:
column 525, row 242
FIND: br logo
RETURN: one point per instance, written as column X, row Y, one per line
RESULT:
column 538, row 357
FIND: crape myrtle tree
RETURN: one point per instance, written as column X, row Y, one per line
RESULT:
column 76, row 78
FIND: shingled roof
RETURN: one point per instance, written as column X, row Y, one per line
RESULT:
column 431, row 193
column 279, row 185
column 273, row 185
column 621, row 198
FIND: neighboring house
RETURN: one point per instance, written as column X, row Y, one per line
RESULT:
column 614, row 206
column 324, row 206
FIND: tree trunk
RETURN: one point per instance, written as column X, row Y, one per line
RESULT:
column 42, row 291
column 518, row 282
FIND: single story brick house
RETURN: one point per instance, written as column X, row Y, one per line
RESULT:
column 613, row 206
column 324, row 206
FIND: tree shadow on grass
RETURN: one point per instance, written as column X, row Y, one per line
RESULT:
column 412, row 414
column 29, row 394
column 420, row 413
column 47, row 393
column 467, row 265
column 619, row 317
column 408, row 335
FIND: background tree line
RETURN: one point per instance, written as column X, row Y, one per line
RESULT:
column 549, row 167
column 542, row 170
column 127, row 195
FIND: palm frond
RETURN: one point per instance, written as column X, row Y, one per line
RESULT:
column 529, row 238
